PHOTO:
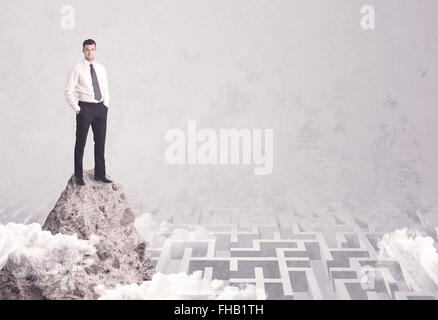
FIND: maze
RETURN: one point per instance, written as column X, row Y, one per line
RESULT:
column 290, row 256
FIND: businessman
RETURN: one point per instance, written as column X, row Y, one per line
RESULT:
column 88, row 79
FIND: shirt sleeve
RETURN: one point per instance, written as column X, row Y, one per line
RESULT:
column 106, row 96
column 69, row 91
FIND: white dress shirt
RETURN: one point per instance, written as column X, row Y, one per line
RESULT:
column 79, row 81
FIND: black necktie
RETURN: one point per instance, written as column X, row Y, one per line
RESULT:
column 97, row 93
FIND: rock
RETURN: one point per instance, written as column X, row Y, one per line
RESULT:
column 97, row 212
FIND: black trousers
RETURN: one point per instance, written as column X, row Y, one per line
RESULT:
column 96, row 115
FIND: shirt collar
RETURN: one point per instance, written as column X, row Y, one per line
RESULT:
column 87, row 63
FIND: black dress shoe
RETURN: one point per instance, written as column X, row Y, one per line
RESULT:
column 80, row 181
column 103, row 179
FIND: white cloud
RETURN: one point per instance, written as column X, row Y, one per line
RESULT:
column 416, row 254
column 249, row 292
column 191, row 233
column 20, row 242
column 155, row 234
column 152, row 232
column 50, row 254
column 177, row 286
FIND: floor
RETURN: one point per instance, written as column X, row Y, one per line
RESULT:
column 291, row 256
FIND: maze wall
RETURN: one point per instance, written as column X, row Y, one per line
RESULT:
column 288, row 256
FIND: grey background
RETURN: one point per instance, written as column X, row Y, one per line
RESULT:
column 353, row 111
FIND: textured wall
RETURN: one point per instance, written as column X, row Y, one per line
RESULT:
column 353, row 111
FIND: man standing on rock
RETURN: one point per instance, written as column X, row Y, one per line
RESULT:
column 89, row 81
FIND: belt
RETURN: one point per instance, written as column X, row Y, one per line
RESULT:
column 91, row 102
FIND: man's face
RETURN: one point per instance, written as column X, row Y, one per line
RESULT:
column 89, row 51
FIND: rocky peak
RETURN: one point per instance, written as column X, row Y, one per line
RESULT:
column 97, row 212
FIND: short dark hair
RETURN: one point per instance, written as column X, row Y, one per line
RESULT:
column 88, row 41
